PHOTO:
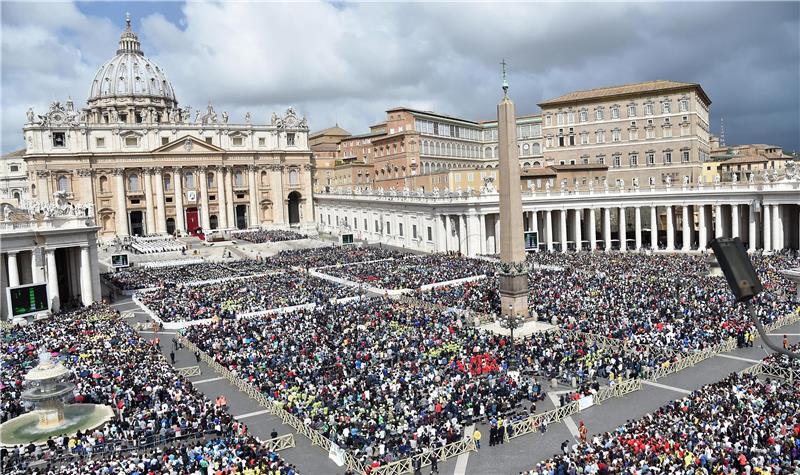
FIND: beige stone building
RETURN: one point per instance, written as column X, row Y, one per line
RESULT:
column 324, row 146
column 737, row 163
column 14, row 177
column 150, row 167
column 648, row 131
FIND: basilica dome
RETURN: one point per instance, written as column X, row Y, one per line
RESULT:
column 129, row 77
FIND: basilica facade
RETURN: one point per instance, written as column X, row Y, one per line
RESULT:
column 151, row 167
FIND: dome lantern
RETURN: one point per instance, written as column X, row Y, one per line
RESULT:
column 128, row 40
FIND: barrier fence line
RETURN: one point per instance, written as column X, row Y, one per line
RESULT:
column 279, row 443
column 401, row 466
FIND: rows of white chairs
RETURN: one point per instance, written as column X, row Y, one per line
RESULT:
column 152, row 246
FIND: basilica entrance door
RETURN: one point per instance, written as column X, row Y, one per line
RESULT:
column 241, row 216
column 193, row 222
column 137, row 223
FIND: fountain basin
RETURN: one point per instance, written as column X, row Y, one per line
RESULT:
column 23, row 430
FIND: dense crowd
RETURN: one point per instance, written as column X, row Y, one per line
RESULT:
column 412, row 272
column 152, row 404
column 147, row 277
column 665, row 301
column 332, row 256
column 742, row 424
column 386, row 379
column 180, row 302
column 273, row 235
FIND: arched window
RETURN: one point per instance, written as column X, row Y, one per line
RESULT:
column 264, row 178
column 16, row 195
column 121, row 84
column 133, row 182
column 536, row 149
column 210, row 180
column 189, row 178
column 238, row 178
column 63, row 183
column 487, row 152
column 167, row 181
column 294, row 177
column 103, row 184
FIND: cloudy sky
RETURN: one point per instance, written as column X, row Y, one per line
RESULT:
column 349, row 62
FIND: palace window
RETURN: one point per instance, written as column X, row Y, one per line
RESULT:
column 684, row 105
column 685, row 156
column 598, row 114
column 100, row 141
column 584, row 115
column 62, row 183
column 651, row 158
column 615, row 112
column 290, row 139
column 648, row 109
column 666, row 107
column 632, row 110
column 189, row 177
column 584, row 138
column 560, row 118
column 262, row 142
column 294, row 177
column 667, row 157
column 14, row 168
column 634, row 159
column 650, row 133
column 167, row 182
column 59, row 139
column 238, row 141
column 164, row 140
column 131, row 141
column 600, row 136
column 617, row 161
column 616, row 135
column 570, row 117
column 133, row 182
column 632, row 134
column 548, row 120
column 667, row 131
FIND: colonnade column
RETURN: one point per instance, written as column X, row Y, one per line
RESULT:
column 718, row 231
column 87, row 296
column 253, row 192
column 13, row 270
column 777, row 233
column 463, row 242
column 702, row 239
column 578, row 237
column 180, row 218
column 549, row 229
column 637, row 227
column 607, row 228
column 767, row 227
column 670, row 229
column 653, row 227
column 222, row 202
column 623, row 232
column 482, row 232
column 735, row 221
column 535, row 222
column 150, row 219
column 563, row 230
column 161, row 215
column 497, row 233
column 447, row 233
column 686, row 230
column 752, row 239
column 592, row 230
column 52, row 280
column 122, row 202
column 205, row 220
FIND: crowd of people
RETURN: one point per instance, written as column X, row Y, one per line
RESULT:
column 384, row 379
column 136, row 278
column 273, row 235
column 742, row 424
column 227, row 299
column 414, row 271
column 153, row 405
column 332, row 256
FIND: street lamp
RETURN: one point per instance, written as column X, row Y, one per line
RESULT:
column 511, row 322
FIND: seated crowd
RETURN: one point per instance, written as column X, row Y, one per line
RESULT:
column 743, row 424
column 153, row 405
column 182, row 302
column 147, row 277
column 332, row 256
column 414, row 271
column 384, row 380
column 262, row 236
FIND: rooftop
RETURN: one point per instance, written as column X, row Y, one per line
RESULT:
column 657, row 86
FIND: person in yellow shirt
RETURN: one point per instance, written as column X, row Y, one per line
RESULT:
column 477, row 436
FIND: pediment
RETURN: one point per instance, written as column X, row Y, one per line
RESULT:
column 188, row 144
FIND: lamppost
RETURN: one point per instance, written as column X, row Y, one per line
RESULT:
column 511, row 322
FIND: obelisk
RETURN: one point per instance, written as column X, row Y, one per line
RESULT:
column 514, row 273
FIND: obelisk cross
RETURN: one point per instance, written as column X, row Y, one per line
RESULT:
column 505, row 78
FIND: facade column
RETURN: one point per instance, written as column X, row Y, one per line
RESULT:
column 87, row 185
column 87, row 295
column 180, row 217
column 702, row 240
column 122, row 202
column 52, row 280
column 623, row 232
column 653, row 227
column 767, row 227
column 13, row 271
column 777, row 245
column 637, row 227
column 735, row 221
column 161, row 214
column 751, row 228
column 718, row 231
column 276, row 176
column 150, row 219
column 607, row 228
column 592, row 230
column 222, row 202
column 447, row 233
column 205, row 219
column 563, row 230
column 549, row 229
column 535, row 222
column 482, row 232
column 670, row 229
column 253, row 192
column 231, row 210
column 463, row 246
column 441, row 243
column 686, row 230
column 578, row 237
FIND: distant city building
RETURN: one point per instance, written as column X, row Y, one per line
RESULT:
column 324, row 146
column 151, row 167
column 739, row 162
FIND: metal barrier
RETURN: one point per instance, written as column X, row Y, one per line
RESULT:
column 441, row 454
column 774, row 370
column 279, row 443
column 189, row 371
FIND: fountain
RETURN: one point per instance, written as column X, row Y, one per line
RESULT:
column 47, row 390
